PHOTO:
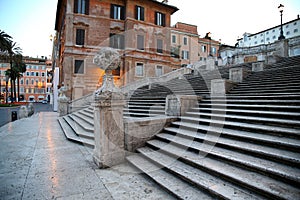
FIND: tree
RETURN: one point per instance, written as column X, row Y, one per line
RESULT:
column 19, row 67
column 14, row 53
column 4, row 41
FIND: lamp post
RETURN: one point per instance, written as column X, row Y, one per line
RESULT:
column 6, row 87
column 281, row 36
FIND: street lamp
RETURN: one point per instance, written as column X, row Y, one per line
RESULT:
column 281, row 36
column 6, row 86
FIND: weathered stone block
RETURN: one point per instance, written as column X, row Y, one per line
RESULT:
column 63, row 105
column 237, row 74
column 219, row 87
column 23, row 112
column 210, row 63
column 258, row 66
column 177, row 105
column 108, row 129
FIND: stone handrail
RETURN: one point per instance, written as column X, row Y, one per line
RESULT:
column 149, row 80
column 80, row 103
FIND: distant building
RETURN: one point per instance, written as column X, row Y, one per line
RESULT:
column 33, row 83
column 140, row 30
column 189, row 47
column 290, row 29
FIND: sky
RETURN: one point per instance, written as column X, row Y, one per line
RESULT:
column 31, row 22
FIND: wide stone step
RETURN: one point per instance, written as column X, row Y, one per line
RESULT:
column 257, row 113
column 176, row 186
column 273, row 169
column 250, row 119
column 78, row 130
column 231, row 100
column 216, row 186
column 290, row 144
column 239, row 177
column 70, row 134
column 265, row 107
column 134, row 114
column 243, row 126
column 214, row 136
column 83, row 123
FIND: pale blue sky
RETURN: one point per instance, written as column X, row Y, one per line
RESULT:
column 31, row 22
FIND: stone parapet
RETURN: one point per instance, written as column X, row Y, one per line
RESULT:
column 139, row 131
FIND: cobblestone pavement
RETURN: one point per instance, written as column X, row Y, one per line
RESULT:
column 37, row 162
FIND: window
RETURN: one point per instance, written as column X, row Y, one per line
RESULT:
column 159, row 71
column 173, row 38
column 22, row 81
column 139, row 69
column 185, row 41
column 140, row 42
column 117, row 12
column 287, row 33
column 117, row 41
column 274, row 37
column 32, row 73
column 185, row 55
column 80, row 33
column 213, row 50
column 43, row 67
column 139, row 13
column 159, row 46
column 27, row 66
column 295, row 30
column 160, row 19
column 32, row 81
column 203, row 48
column 43, row 73
column 27, row 73
column 37, row 74
column 79, row 67
column 27, row 81
column 81, row 6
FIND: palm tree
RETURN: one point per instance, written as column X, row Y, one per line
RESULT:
column 19, row 67
column 13, row 52
column 4, row 40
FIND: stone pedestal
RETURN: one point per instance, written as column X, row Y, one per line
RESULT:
column 257, row 67
column 108, row 129
column 63, row 103
column 210, row 63
column 237, row 74
column 23, row 112
column 282, row 48
column 177, row 105
column 219, row 87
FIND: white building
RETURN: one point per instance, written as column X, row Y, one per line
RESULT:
column 290, row 29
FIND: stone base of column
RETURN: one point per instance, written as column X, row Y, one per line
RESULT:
column 109, row 129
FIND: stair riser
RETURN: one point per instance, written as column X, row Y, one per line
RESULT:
column 209, row 171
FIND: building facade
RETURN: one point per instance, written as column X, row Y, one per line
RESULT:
column 139, row 29
column 189, row 47
column 32, row 84
column 291, row 29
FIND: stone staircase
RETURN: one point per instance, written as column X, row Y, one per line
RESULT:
column 79, row 126
column 243, row 146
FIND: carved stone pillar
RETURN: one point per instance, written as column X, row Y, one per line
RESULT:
column 108, row 129
column 108, row 113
